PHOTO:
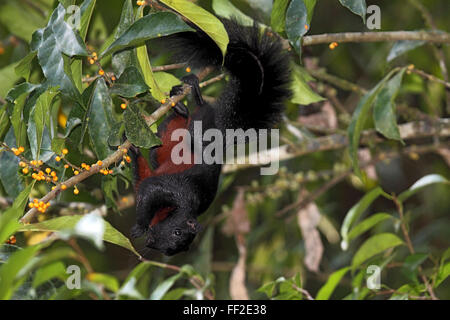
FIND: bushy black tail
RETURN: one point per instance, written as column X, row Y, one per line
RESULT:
column 258, row 68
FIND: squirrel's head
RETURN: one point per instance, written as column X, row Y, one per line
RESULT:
column 168, row 229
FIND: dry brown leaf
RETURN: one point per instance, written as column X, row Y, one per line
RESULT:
column 237, row 221
column 238, row 290
column 364, row 157
column 308, row 220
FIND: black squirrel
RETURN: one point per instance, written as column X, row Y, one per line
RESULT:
column 170, row 197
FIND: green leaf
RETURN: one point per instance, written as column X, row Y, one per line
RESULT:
column 224, row 8
column 367, row 224
column 358, row 7
column 146, row 68
column 301, row 92
column 411, row 264
column 163, row 287
column 375, row 245
column 8, row 77
column 9, row 175
column 401, row 47
column 49, row 272
column 384, row 108
column 207, row 22
column 333, row 280
column 11, row 268
column 20, row 19
column 86, row 11
column 444, row 273
column 360, row 115
column 100, row 119
column 130, row 83
column 52, row 43
column 152, row 26
column 356, row 211
column 422, row 183
column 23, row 67
column 278, row 16
column 68, row 223
column 296, row 22
column 136, row 130
column 38, row 121
column 9, row 219
column 166, row 81
column 127, row 57
column 108, row 281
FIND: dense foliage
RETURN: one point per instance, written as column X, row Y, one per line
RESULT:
column 358, row 210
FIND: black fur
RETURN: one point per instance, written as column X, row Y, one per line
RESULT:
column 253, row 98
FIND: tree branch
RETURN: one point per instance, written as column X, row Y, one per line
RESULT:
column 411, row 130
column 428, row 36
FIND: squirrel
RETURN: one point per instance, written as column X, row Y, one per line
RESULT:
column 169, row 196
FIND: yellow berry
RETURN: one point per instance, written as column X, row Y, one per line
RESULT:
column 31, row 205
column 76, row 172
column 122, row 163
column 21, row 149
column 53, row 188
column 53, row 174
column 124, row 150
column 83, row 165
column 25, row 170
column 22, row 164
column 100, row 162
column 40, row 162
column 76, row 191
column 101, row 72
column 58, row 159
column 48, row 170
column 123, row 106
column 88, row 167
column 55, row 178
column 65, row 151
column 63, row 187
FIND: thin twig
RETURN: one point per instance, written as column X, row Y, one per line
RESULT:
column 410, row 246
column 196, row 281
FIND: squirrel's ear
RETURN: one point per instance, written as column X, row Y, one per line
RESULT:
column 137, row 231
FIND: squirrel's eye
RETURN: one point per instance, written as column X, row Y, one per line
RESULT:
column 177, row 232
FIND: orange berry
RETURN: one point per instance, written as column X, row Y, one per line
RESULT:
column 124, row 150
column 188, row 69
column 128, row 159
column 21, row 149
column 100, row 162
column 113, row 78
column 163, row 101
column 123, row 106
column 83, row 165
column 65, row 151
column 101, row 72
column 306, row 27
column 58, row 159
column 22, row 164
column 40, row 162
column 55, row 178
column 31, row 205
column 25, row 170
column 53, row 174
column 66, row 166
column 63, row 187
